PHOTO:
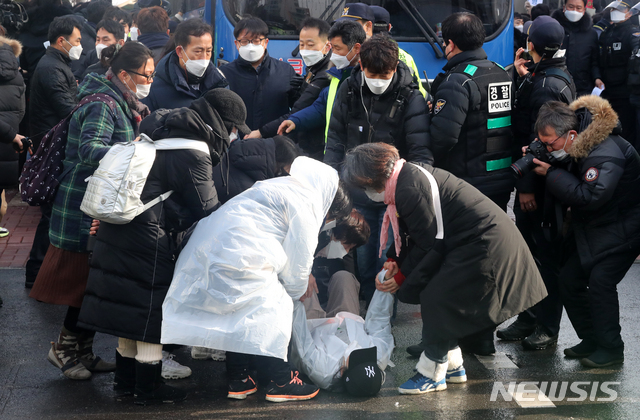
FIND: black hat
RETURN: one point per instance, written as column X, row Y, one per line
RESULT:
column 380, row 14
column 356, row 11
column 546, row 34
column 363, row 378
column 230, row 107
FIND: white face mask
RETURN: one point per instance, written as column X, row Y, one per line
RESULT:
column 373, row 195
column 251, row 53
column 341, row 61
column 617, row 16
column 519, row 27
column 196, row 67
column 335, row 250
column 561, row 154
column 573, row 16
column 311, row 57
column 74, row 52
column 377, row 86
column 133, row 34
column 142, row 91
column 99, row 49
column 233, row 136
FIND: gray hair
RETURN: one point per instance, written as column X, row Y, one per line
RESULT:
column 557, row 116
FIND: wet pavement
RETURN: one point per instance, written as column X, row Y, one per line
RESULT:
column 31, row 388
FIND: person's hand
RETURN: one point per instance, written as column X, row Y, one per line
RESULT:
column 255, row 134
column 312, row 287
column 95, row 224
column 528, row 202
column 137, row 139
column 392, row 269
column 389, row 286
column 520, row 63
column 599, row 84
column 542, row 167
column 430, row 105
column 286, row 127
column 17, row 140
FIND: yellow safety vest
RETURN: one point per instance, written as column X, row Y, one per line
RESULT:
column 331, row 97
column 406, row 58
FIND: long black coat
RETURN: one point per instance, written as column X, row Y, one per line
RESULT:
column 479, row 275
column 132, row 265
column 267, row 93
column 245, row 163
column 11, row 109
column 601, row 185
column 616, row 43
column 581, row 43
column 53, row 93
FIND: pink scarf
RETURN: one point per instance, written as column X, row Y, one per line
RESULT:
column 391, row 215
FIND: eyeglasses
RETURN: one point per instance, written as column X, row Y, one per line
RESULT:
column 245, row 42
column 549, row 145
column 148, row 77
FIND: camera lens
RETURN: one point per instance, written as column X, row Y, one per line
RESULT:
column 523, row 166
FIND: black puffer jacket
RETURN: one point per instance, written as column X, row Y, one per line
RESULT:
column 616, row 44
column 132, row 265
column 581, row 44
column 11, row 109
column 531, row 95
column 359, row 117
column 311, row 142
column 53, row 93
column 88, row 43
column 245, row 163
column 267, row 93
column 601, row 186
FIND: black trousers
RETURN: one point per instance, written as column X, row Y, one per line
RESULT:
column 627, row 114
column 277, row 370
column 40, row 244
column 548, row 258
column 591, row 297
column 438, row 351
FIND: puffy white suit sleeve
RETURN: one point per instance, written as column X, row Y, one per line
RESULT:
column 236, row 279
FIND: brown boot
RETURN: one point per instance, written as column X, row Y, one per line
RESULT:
column 90, row 361
column 64, row 355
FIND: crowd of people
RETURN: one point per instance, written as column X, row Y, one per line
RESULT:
column 278, row 204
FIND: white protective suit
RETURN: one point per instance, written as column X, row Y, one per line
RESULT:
column 319, row 347
column 236, row 279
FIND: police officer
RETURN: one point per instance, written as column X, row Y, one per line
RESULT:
column 616, row 43
column 541, row 80
column 634, row 86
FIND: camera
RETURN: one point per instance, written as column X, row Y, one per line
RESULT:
column 536, row 150
column 13, row 15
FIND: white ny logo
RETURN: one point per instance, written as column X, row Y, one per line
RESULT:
column 369, row 371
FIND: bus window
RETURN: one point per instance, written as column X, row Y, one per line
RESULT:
column 285, row 16
column 193, row 8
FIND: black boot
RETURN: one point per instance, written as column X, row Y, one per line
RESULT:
column 519, row 330
column 416, row 350
column 539, row 340
column 604, row 357
column 124, row 382
column 584, row 349
column 150, row 387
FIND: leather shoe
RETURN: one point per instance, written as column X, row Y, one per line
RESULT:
column 416, row 350
column 517, row 331
column 539, row 340
column 584, row 349
column 604, row 357
column 479, row 347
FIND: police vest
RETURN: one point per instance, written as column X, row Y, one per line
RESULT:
column 331, row 97
column 407, row 59
column 485, row 145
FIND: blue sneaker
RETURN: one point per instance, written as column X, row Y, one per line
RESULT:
column 456, row 376
column 420, row 384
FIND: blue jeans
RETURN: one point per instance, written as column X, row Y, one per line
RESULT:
column 369, row 265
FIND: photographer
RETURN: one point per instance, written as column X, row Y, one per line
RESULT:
column 543, row 80
column 600, row 185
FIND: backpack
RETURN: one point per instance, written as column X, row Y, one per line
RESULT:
column 43, row 171
column 114, row 189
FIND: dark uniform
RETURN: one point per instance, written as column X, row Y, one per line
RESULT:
column 549, row 81
column 616, row 44
column 471, row 124
column 633, row 82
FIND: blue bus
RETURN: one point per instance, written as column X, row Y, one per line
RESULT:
column 415, row 25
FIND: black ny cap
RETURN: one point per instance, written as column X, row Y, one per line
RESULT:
column 363, row 378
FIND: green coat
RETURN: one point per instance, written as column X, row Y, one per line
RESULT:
column 93, row 129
